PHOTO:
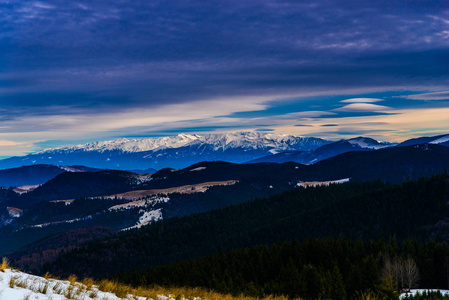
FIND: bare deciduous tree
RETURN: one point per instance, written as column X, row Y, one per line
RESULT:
column 398, row 271
column 411, row 272
column 404, row 271
column 388, row 269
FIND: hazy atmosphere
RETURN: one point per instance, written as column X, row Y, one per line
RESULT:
column 78, row 71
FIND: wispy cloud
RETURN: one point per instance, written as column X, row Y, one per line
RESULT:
column 363, row 107
column 429, row 96
column 12, row 148
column 4, row 143
column 361, row 100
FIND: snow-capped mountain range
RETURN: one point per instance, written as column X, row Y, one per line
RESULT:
column 186, row 149
column 176, row 152
column 129, row 145
column 218, row 141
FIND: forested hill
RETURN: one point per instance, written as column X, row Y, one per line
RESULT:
column 353, row 210
column 319, row 268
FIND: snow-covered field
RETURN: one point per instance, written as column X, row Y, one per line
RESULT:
column 25, row 188
column 420, row 291
column 147, row 218
column 15, row 285
column 320, row 183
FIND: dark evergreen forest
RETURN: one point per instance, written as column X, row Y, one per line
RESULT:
column 354, row 211
column 324, row 268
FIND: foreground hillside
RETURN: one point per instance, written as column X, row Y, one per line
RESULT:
column 315, row 269
column 354, row 210
column 16, row 285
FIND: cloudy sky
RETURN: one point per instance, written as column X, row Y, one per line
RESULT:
column 77, row 71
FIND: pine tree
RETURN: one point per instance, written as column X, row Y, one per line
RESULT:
column 337, row 285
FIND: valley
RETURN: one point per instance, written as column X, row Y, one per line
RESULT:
column 140, row 227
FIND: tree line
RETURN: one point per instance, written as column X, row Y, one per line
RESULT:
column 324, row 268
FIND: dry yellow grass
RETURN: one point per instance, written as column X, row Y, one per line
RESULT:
column 368, row 295
column 88, row 282
column 77, row 289
column 72, row 279
column 185, row 189
column 185, row 293
column 4, row 265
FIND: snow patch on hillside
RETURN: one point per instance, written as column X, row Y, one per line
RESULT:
column 62, row 222
column 198, row 169
column 321, row 183
column 14, row 212
column 69, row 169
column 421, row 291
column 368, row 143
column 26, row 188
column 139, row 179
column 148, row 217
column 66, row 202
column 152, row 201
column 15, row 285
column 441, row 140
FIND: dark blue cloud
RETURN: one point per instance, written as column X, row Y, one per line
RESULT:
column 63, row 58
column 144, row 52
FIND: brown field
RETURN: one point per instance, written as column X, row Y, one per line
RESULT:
column 185, row 189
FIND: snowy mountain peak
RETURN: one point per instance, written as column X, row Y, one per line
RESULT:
column 369, row 143
column 130, row 145
column 177, row 151
column 259, row 140
column 248, row 140
column 441, row 140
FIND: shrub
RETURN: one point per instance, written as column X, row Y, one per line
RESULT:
column 4, row 265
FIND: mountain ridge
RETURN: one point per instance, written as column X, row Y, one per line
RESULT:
column 36, row 174
column 176, row 152
column 184, row 150
column 218, row 140
column 326, row 151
